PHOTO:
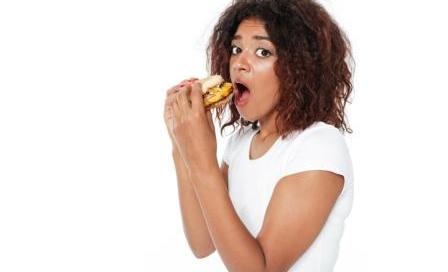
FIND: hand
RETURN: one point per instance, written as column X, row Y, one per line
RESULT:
column 192, row 128
column 168, row 113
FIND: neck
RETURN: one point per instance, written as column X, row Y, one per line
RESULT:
column 267, row 127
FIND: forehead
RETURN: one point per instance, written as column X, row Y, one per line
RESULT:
column 251, row 26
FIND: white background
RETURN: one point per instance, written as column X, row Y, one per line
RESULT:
column 86, row 178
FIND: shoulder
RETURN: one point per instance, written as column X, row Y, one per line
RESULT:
column 319, row 147
column 322, row 130
column 319, row 136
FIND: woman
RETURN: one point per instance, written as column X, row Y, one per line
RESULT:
column 285, row 186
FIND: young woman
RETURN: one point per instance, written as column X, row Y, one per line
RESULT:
column 285, row 185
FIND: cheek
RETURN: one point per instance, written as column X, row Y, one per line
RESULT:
column 266, row 72
column 269, row 84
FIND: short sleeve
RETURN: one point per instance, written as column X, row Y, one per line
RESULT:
column 320, row 149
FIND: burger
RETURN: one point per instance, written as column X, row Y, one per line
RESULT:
column 215, row 91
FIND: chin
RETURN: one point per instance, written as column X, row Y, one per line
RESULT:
column 246, row 116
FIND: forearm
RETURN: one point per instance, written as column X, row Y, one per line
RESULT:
column 194, row 225
column 239, row 250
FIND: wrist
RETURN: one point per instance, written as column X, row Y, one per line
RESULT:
column 203, row 171
column 177, row 157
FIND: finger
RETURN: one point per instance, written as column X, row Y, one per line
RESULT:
column 183, row 83
column 177, row 87
column 184, row 88
column 173, row 95
column 168, row 112
column 168, row 106
column 172, row 90
column 183, row 101
column 170, row 98
column 197, row 101
column 175, row 110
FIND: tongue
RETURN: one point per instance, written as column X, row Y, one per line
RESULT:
column 242, row 98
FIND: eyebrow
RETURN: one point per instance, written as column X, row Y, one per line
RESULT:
column 256, row 37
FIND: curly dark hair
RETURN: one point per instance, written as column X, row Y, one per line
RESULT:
column 313, row 65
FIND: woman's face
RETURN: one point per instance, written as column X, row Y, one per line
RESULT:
column 252, row 71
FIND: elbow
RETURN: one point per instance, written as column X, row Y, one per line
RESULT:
column 201, row 249
column 203, row 253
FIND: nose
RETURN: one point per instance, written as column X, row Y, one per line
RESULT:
column 241, row 63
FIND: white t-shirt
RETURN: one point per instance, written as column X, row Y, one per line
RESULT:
column 251, row 183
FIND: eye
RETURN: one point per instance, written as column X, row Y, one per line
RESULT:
column 235, row 50
column 261, row 52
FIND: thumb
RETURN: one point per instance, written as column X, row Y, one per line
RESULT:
column 210, row 120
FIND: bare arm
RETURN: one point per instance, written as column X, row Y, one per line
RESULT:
column 299, row 206
column 194, row 225
column 312, row 194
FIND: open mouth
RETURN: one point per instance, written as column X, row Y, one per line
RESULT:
column 242, row 94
